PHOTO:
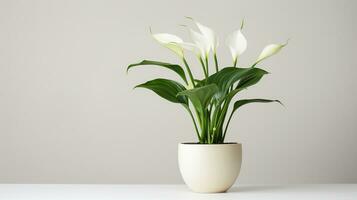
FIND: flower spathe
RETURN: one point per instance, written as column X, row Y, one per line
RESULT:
column 170, row 41
column 175, row 43
column 237, row 44
column 210, row 36
column 206, row 40
column 201, row 43
column 269, row 50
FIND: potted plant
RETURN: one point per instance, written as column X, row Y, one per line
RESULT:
column 211, row 164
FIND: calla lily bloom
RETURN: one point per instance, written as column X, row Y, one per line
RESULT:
column 206, row 41
column 170, row 41
column 201, row 43
column 268, row 51
column 210, row 36
column 237, row 44
column 212, row 41
column 208, row 33
column 177, row 45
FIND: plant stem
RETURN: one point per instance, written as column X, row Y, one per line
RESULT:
column 235, row 62
column 225, row 129
column 234, row 65
column 194, row 122
column 203, row 128
column 207, row 69
column 207, row 126
column 208, row 113
column 189, row 71
column 203, row 67
column 216, row 61
column 254, row 64
column 223, row 114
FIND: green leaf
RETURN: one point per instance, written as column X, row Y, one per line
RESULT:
column 225, row 78
column 251, row 78
column 201, row 96
column 167, row 89
column 242, row 102
column 174, row 67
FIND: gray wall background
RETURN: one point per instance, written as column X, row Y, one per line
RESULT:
column 68, row 113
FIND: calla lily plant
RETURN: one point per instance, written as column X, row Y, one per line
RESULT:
column 208, row 99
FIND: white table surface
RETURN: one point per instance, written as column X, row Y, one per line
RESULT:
column 174, row 192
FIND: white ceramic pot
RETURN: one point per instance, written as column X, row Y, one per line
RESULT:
column 209, row 168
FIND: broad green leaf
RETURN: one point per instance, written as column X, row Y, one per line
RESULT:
column 247, row 78
column 167, row 89
column 243, row 102
column 225, row 78
column 201, row 96
column 174, row 67
column 251, row 78
column 220, row 114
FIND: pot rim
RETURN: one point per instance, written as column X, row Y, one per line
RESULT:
column 198, row 144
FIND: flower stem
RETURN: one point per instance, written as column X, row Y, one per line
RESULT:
column 226, row 128
column 216, row 61
column 203, row 67
column 207, row 70
column 189, row 71
column 194, row 122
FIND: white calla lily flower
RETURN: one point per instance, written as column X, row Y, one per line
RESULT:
column 191, row 47
column 201, row 43
column 170, row 41
column 269, row 50
column 167, row 38
column 237, row 44
column 208, row 33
